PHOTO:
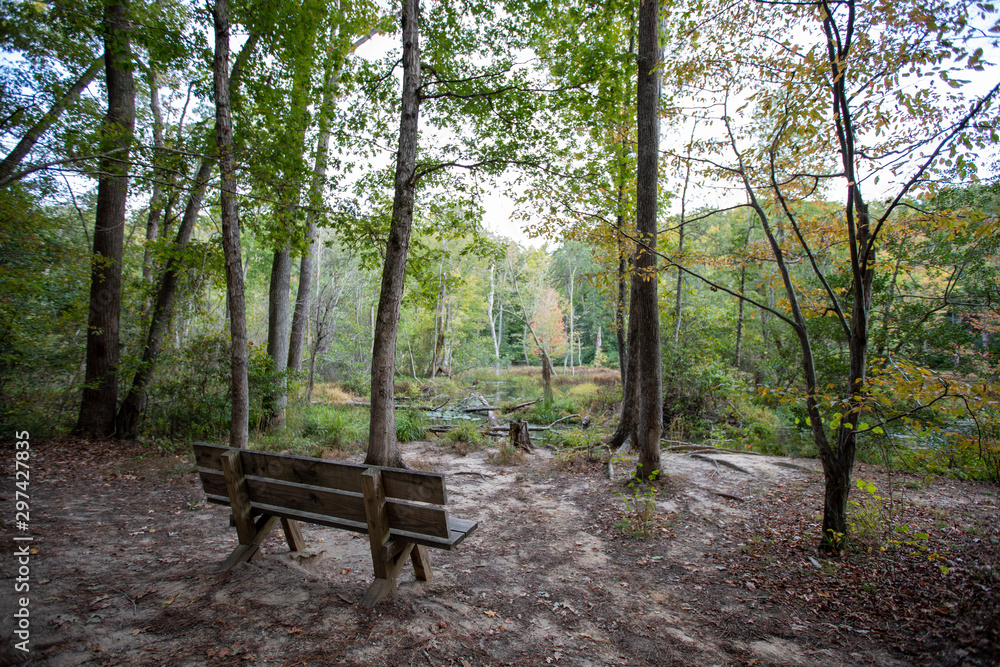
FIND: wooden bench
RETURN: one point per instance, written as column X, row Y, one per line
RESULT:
column 401, row 511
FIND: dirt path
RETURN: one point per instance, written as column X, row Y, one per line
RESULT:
column 124, row 572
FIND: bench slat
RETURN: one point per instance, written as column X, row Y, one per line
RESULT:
column 409, row 484
column 432, row 521
column 458, row 529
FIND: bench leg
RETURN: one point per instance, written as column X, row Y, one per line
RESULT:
column 251, row 550
column 421, row 563
column 293, row 534
column 385, row 586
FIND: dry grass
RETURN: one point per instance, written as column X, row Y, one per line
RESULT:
column 330, row 393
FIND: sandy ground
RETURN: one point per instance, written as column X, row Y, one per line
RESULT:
column 125, row 550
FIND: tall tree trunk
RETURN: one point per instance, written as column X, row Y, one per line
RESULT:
column 35, row 132
column 645, row 303
column 156, row 201
column 493, row 318
column 239, row 425
column 278, row 327
column 130, row 413
column 620, row 302
column 100, row 393
column 303, row 296
column 382, row 446
column 629, row 423
column 597, row 347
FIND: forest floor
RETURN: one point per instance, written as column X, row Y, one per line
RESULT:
column 124, row 555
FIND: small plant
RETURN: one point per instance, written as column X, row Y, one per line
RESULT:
column 464, row 438
column 576, row 460
column 507, row 455
column 640, row 507
column 410, row 425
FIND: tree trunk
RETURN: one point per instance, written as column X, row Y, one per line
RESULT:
column 493, row 319
column 156, row 199
column 597, row 347
column 645, row 303
column 132, row 409
column 629, row 422
column 278, row 327
column 239, row 426
column 546, row 377
column 620, row 332
column 303, row 297
column 35, row 132
column 382, row 446
column 100, row 393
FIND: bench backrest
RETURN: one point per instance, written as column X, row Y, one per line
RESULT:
column 331, row 490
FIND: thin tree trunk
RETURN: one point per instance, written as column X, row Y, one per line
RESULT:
column 493, row 318
column 100, row 393
column 156, row 200
column 239, row 425
column 278, row 327
column 300, row 318
column 303, row 295
column 629, row 423
column 132, row 409
column 645, row 302
column 597, row 347
column 31, row 137
column 383, row 448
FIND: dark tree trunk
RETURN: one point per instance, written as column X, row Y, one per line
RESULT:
column 382, row 446
column 239, row 425
column 645, row 302
column 629, row 423
column 278, row 327
column 130, row 413
column 100, row 394
column 31, row 137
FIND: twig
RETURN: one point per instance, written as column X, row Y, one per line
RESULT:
column 522, row 405
column 135, row 608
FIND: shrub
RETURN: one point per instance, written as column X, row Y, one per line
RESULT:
column 465, row 437
column 335, row 427
column 410, row 425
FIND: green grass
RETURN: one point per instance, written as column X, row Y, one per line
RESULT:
column 465, row 437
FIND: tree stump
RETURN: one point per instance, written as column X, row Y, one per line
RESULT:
column 520, row 438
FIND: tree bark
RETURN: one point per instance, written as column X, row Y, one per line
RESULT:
column 31, row 137
column 100, row 393
column 645, row 303
column 239, row 426
column 156, row 199
column 629, row 423
column 382, row 446
column 278, row 328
